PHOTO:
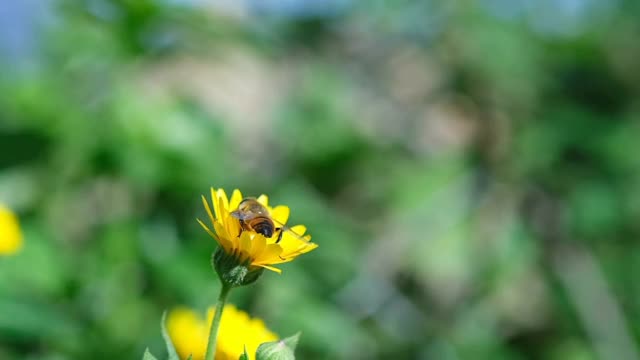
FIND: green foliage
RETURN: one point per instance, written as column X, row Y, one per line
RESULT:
column 469, row 169
column 278, row 350
column 147, row 355
column 171, row 350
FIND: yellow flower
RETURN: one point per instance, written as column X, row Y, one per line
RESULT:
column 249, row 246
column 10, row 234
column 189, row 333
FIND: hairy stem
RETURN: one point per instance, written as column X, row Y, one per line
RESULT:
column 215, row 324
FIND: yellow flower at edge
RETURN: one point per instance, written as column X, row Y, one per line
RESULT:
column 189, row 333
column 249, row 246
column 10, row 234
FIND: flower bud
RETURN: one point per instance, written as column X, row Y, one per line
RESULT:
column 278, row 350
column 232, row 270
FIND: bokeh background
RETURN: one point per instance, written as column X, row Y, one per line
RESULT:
column 470, row 169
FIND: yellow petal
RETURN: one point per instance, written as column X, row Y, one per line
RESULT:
column 188, row 332
column 283, row 260
column 295, row 237
column 223, row 210
column 216, row 203
column 232, row 225
column 274, row 269
column 308, row 248
column 236, row 198
column 270, row 254
column 291, row 250
column 302, row 250
column 289, row 247
column 299, row 229
column 10, row 233
column 208, row 209
column 222, row 196
column 281, row 214
column 207, row 229
column 263, row 199
column 259, row 245
column 220, row 240
column 229, row 243
column 245, row 243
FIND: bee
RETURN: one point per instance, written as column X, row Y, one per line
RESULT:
column 254, row 216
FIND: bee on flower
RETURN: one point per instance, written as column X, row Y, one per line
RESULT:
column 251, row 232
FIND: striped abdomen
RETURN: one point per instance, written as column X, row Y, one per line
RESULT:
column 262, row 225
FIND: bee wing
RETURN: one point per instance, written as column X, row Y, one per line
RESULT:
column 291, row 232
column 240, row 215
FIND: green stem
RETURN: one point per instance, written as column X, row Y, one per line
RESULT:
column 215, row 324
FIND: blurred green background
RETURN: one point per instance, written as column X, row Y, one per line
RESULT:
column 470, row 170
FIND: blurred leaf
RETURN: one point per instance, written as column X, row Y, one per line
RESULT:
column 147, row 355
column 594, row 209
column 171, row 350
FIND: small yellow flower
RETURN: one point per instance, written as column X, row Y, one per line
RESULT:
column 249, row 246
column 10, row 234
column 189, row 333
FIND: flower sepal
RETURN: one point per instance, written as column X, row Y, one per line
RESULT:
column 278, row 350
column 171, row 350
column 232, row 270
column 244, row 355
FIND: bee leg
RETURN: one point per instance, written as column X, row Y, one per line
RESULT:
column 241, row 227
column 279, row 235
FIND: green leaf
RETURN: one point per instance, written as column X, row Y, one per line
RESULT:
column 190, row 357
column 244, row 355
column 173, row 355
column 147, row 355
column 278, row 350
column 292, row 341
